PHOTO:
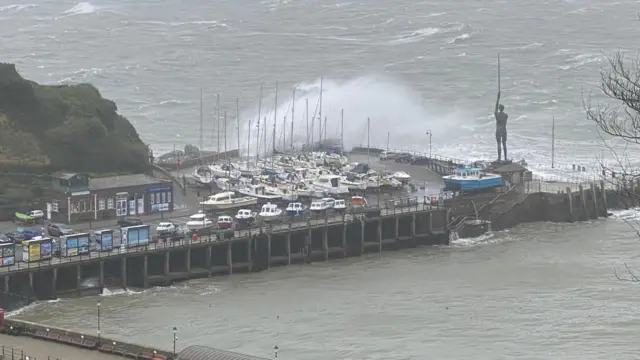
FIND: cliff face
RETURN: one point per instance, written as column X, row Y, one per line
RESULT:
column 45, row 128
column 67, row 127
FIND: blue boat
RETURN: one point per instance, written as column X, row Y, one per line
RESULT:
column 471, row 179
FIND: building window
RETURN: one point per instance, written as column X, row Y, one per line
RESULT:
column 164, row 197
column 152, row 199
column 157, row 198
column 55, row 206
column 169, row 197
column 75, row 207
column 110, row 203
column 101, row 204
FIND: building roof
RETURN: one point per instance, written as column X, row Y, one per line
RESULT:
column 199, row 352
column 63, row 175
column 124, row 181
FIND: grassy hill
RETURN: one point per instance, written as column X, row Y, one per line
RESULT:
column 46, row 128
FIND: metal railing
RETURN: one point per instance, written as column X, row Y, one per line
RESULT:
column 444, row 159
column 399, row 206
column 9, row 353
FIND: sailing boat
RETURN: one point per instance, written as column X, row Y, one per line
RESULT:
column 202, row 174
column 245, row 167
column 225, row 170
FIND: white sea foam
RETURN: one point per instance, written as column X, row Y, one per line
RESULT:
column 384, row 100
column 80, row 9
column 16, row 7
column 416, row 36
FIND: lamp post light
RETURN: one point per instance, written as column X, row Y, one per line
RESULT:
column 175, row 332
column 275, row 351
column 430, row 135
column 98, row 308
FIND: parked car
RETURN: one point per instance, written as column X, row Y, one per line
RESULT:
column 129, row 221
column 36, row 214
column 165, row 228
column 58, row 230
column 15, row 236
column 29, row 234
column 4, row 238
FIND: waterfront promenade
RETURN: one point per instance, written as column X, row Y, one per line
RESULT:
column 21, row 347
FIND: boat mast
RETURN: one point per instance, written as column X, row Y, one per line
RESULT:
column 201, row 127
column 553, row 143
column 313, row 120
column 342, row 132
column 218, row 126
column 320, row 111
column 275, row 119
column 238, row 121
column 258, row 123
column 325, row 129
column 284, row 133
column 224, row 126
column 368, row 140
column 264, row 130
column 388, row 135
column 293, row 109
column 307, row 116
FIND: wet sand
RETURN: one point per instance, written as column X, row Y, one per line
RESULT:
column 43, row 350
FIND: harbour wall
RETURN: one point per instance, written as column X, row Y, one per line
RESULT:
column 82, row 340
column 257, row 249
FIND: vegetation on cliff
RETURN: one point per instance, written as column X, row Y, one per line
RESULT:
column 47, row 128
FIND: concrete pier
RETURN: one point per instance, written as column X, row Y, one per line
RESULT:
column 160, row 264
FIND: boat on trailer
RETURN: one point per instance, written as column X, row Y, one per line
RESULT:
column 471, row 179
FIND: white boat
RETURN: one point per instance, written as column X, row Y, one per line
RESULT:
column 199, row 221
column 354, row 184
column 295, row 209
column 270, row 212
column 390, row 181
column 225, row 170
column 245, row 215
column 401, row 176
column 248, row 169
column 329, row 185
column 203, row 175
column 258, row 191
column 227, row 200
column 329, row 201
column 319, row 206
column 339, row 205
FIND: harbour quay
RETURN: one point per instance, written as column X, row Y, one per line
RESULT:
column 161, row 263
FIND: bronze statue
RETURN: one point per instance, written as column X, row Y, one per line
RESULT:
column 501, row 128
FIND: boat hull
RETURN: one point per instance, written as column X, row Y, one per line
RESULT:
column 230, row 205
column 472, row 184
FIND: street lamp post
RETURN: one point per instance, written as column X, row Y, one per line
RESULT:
column 175, row 332
column 98, row 322
column 430, row 135
column 275, row 350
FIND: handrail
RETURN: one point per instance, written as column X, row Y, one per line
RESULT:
column 9, row 353
column 415, row 153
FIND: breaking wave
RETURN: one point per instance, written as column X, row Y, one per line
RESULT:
column 80, row 9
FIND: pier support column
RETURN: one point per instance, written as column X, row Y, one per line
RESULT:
column 288, row 246
column 379, row 235
column 78, row 277
column 583, row 201
column 100, row 276
column 188, row 260
column 604, row 199
column 413, row 225
column 633, row 192
column 325, row 243
column 362, row 223
column 397, row 227
column 595, row 213
column 123, row 271
column 344, row 239
column 207, row 260
column 145, row 272
column 570, row 204
column 54, row 284
column 308, row 242
column 268, row 250
column 430, row 223
column 167, row 263
column 6, row 290
column 249, row 252
column 230, row 258
column 31, row 284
